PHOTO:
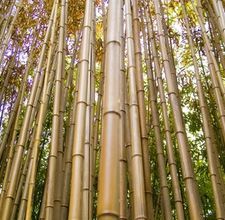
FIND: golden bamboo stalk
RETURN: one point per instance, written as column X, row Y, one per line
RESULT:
column 128, row 155
column 92, row 113
column 137, row 158
column 79, row 130
column 63, row 96
column 69, row 138
column 142, row 111
column 87, row 146
column 122, row 153
column 108, row 206
column 53, row 155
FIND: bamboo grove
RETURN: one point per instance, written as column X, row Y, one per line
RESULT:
column 112, row 109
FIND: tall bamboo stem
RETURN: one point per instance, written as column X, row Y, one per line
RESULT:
column 79, row 130
column 108, row 206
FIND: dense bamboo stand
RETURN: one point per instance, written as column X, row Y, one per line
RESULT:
column 112, row 109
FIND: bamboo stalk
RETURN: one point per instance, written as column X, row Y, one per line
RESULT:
column 87, row 147
column 69, row 138
column 79, row 130
column 137, row 159
column 108, row 207
column 122, row 153
column 142, row 111
column 60, row 147
column 53, row 155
